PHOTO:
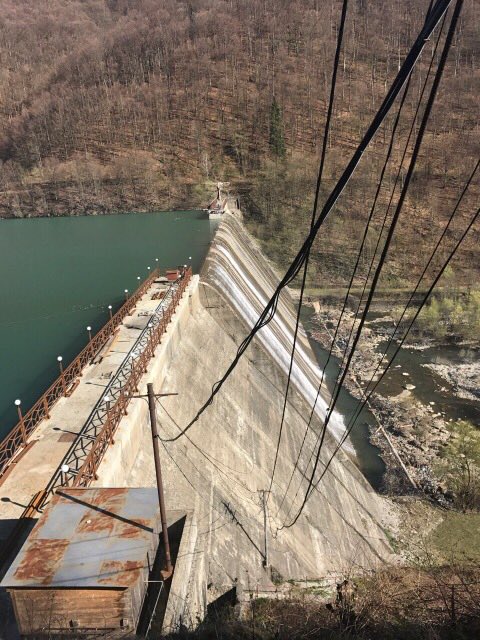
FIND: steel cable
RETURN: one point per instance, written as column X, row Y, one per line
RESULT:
column 431, row 288
column 312, row 222
column 321, row 435
column 392, row 228
column 269, row 310
column 369, row 392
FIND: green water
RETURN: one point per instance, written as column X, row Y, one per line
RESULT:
column 59, row 275
column 367, row 454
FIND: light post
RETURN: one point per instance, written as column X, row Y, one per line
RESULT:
column 126, row 295
column 21, row 421
column 89, row 329
column 110, row 311
column 62, row 375
column 64, row 469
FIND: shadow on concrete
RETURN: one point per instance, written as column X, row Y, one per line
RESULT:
column 154, row 606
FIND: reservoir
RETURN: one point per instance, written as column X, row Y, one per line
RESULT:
column 58, row 276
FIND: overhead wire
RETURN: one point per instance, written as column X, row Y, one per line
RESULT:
column 427, row 266
column 269, row 310
column 367, row 393
column 321, row 435
column 417, row 313
column 392, row 194
column 209, row 503
column 362, row 404
column 312, row 222
column 195, row 489
column 213, row 461
column 391, row 231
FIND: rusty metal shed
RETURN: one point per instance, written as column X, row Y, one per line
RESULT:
column 85, row 565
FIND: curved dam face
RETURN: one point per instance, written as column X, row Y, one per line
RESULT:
column 219, row 469
column 238, row 271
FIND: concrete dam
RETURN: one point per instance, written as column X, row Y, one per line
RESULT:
column 214, row 475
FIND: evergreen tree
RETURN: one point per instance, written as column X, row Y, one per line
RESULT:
column 277, row 138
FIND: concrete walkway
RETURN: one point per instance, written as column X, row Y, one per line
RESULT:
column 53, row 437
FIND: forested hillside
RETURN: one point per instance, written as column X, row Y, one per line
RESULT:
column 121, row 105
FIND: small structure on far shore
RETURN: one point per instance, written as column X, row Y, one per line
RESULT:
column 85, row 566
column 218, row 206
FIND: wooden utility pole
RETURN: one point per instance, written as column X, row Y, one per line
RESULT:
column 153, row 423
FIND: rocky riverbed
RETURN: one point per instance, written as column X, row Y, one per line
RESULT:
column 418, row 430
column 464, row 378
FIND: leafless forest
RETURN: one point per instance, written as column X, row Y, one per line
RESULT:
column 135, row 105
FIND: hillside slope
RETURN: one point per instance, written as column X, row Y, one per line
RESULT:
column 140, row 105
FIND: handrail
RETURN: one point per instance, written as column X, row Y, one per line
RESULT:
column 17, row 438
column 113, row 416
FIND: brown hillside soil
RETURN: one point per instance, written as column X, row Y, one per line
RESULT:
column 125, row 105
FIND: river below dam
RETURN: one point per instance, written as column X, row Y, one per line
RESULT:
column 58, row 276
column 410, row 374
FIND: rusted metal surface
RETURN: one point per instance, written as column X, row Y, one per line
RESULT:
column 172, row 274
column 90, row 538
column 17, row 438
column 87, row 452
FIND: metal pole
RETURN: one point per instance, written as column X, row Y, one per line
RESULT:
column 108, row 421
column 265, row 524
column 158, row 469
column 62, row 375
column 21, row 421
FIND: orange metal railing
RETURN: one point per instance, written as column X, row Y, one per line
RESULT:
column 18, row 437
column 87, row 472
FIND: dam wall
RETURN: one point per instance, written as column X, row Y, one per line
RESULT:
column 218, row 470
column 236, row 268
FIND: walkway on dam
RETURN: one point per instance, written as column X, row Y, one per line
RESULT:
column 59, row 436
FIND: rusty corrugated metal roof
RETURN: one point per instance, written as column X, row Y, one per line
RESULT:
column 89, row 538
